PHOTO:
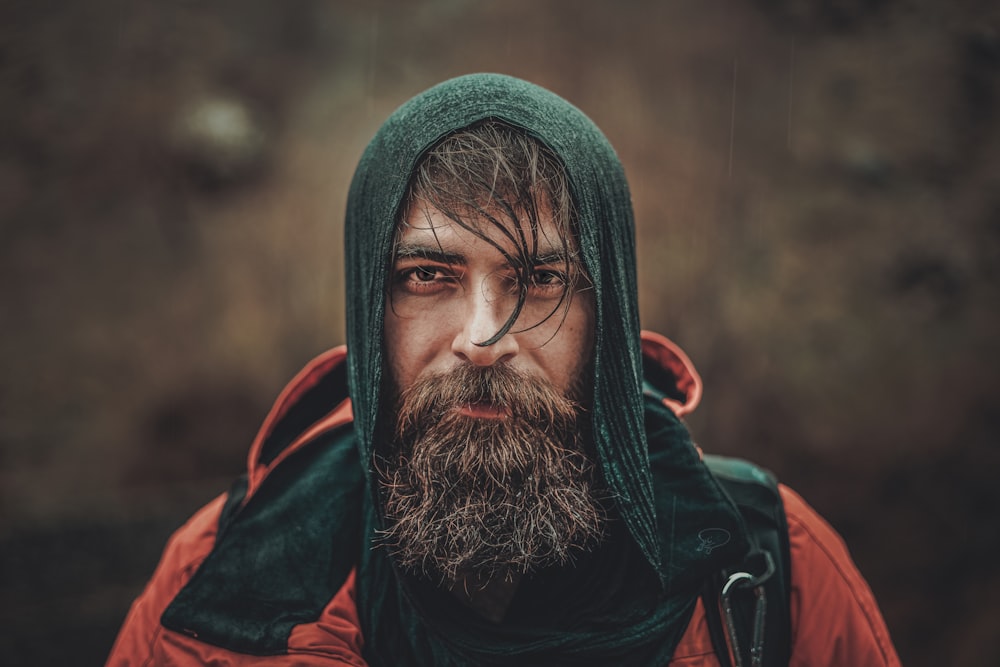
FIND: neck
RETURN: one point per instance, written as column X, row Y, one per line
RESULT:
column 490, row 598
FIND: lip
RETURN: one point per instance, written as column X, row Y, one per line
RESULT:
column 483, row 411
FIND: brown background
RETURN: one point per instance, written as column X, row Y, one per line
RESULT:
column 817, row 185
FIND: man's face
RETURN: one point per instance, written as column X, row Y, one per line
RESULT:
column 451, row 289
column 487, row 472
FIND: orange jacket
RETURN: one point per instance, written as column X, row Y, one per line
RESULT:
column 835, row 619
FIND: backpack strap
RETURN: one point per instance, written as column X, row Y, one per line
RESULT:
column 753, row 594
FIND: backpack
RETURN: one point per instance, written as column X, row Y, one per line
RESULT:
column 751, row 598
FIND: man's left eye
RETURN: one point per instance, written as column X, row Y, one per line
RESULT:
column 548, row 278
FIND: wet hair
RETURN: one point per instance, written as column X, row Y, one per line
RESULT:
column 494, row 177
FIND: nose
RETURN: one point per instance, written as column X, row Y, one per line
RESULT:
column 483, row 317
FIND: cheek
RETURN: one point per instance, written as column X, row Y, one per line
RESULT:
column 411, row 345
column 574, row 345
column 583, row 319
column 395, row 351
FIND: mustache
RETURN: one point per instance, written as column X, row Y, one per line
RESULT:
column 524, row 398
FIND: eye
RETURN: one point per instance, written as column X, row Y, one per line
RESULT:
column 424, row 279
column 422, row 274
column 549, row 278
column 548, row 283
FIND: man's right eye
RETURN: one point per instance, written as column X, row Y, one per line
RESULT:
column 422, row 275
column 423, row 279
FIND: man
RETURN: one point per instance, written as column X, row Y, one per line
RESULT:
column 479, row 478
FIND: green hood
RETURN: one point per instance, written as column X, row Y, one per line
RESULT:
column 629, row 602
column 605, row 225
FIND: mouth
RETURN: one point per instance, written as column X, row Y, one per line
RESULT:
column 483, row 411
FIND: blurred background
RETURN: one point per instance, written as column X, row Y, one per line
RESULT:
column 817, row 187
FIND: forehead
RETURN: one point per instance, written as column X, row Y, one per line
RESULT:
column 506, row 232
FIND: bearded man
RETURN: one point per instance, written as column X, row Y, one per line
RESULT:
column 479, row 478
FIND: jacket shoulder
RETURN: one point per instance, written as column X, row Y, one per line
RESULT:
column 835, row 618
column 186, row 549
column 334, row 638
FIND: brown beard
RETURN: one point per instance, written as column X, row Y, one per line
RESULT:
column 481, row 497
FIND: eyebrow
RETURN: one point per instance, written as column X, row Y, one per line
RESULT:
column 429, row 253
column 554, row 256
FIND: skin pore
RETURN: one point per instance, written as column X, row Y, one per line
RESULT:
column 451, row 290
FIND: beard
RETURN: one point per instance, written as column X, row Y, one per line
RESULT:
column 482, row 497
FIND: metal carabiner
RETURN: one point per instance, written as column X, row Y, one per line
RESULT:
column 743, row 580
column 727, row 608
